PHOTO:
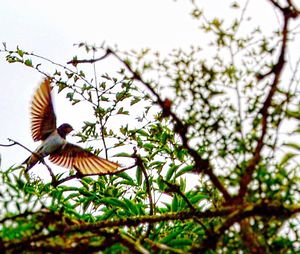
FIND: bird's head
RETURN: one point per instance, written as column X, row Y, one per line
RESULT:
column 64, row 129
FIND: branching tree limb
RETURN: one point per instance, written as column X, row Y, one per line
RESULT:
column 233, row 215
column 288, row 14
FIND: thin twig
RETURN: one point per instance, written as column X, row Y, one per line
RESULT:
column 132, row 245
column 163, row 247
column 176, row 189
column 139, row 163
column 93, row 60
column 98, row 103
column 41, row 159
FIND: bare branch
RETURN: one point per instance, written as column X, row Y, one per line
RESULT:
column 41, row 158
column 94, row 60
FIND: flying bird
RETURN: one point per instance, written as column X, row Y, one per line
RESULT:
column 54, row 143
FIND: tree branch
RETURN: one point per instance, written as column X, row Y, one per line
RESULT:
column 163, row 247
column 41, row 158
column 233, row 215
column 176, row 189
column 276, row 71
column 262, row 209
column 139, row 163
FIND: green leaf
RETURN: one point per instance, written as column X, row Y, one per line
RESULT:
column 20, row 182
column 181, row 153
column 293, row 145
column 160, row 183
column 195, row 199
column 108, row 214
column 174, row 205
column 70, row 95
column 135, row 100
column 122, row 95
column 293, row 114
column 61, row 86
column 139, row 176
column 182, row 184
column 124, row 175
column 235, row 5
column 122, row 111
column 170, row 236
column 28, row 62
column 164, row 137
column 103, row 98
column 86, row 203
column 148, row 146
column 105, row 76
column 123, row 154
column 143, row 133
column 286, row 158
column 132, row 206
column 20, row 52
column 82, row 74
column 186, row 169
column 114, row 202
column 297, row 130
column 179, row 243
column 171, row 171
column 75, row 101
column 216, row 22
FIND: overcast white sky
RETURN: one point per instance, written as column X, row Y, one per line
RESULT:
column 50, row 28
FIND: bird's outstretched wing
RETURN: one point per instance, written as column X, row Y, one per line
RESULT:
column 73, row 156
column 43, row 119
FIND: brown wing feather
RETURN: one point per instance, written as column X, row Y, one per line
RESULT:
column 43, row 120
column 73, row 156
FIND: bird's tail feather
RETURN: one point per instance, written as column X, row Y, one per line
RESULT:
column 31, row 161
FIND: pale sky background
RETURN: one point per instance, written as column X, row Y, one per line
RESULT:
column 50, row 28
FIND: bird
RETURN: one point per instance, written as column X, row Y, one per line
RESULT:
column 53, row 139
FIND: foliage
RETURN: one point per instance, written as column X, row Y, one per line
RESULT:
column 211, row 168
